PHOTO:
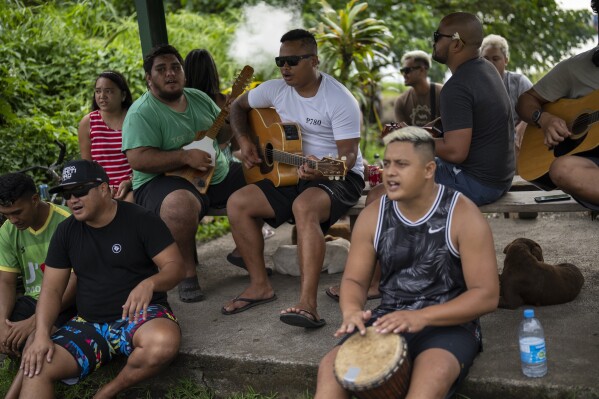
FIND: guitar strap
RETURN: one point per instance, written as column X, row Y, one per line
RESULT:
column 433, row 92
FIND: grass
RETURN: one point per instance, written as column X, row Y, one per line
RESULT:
column 212, row 227
column 184, row 388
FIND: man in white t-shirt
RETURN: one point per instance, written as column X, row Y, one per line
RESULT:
column 329, row 120
column 578, row 76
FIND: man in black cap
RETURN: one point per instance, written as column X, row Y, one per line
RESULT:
column 125, row 260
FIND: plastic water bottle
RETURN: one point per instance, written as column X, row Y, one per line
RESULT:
column 533, row 355
column 43, row 188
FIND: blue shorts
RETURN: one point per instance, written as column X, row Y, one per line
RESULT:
column 457, row 340
column 452, row 176
column 94, row 344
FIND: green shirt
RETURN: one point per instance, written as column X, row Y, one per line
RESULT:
column 23, row 251
column 151, row 123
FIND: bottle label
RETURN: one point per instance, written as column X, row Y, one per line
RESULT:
column 532, row 350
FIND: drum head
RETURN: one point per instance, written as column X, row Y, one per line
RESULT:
column 369, row 360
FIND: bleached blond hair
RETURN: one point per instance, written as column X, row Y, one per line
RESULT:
column 420, row 138
column 496, row 41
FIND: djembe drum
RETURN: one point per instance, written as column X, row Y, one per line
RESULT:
column 374, row 366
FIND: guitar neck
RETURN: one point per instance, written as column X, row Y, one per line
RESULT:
column 292, row 159
column 218, row 123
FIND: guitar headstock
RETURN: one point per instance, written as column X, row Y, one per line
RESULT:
column 389, row 127
column 240, row 83
column 333, row 168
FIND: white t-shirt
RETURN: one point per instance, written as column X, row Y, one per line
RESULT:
column 332, row 114
column 572, row 78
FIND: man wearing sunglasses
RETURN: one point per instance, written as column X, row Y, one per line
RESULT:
column 125, row 260
column 24, row 240
column 418, row 105
column 157, row 126
column 329, row 118
column 475, row 155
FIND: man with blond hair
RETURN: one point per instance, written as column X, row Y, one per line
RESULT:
column 496, row 50
column 439, row 271
column 418, row 105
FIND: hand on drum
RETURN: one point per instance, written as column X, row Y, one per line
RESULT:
column 354, row 320
column 400, row 321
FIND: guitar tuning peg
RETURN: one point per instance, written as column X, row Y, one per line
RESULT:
column 344, row 158
column 331, row 177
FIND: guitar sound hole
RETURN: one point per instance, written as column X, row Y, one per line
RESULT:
column 580, row 125
column 268, row 154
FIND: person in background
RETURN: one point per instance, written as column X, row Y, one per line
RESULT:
column 578, row 76
column 100, row 131
column 201, row 73
column 439, row 271
column 24, row 240
column 420, row 104
column 496, row 50
column 125, row 260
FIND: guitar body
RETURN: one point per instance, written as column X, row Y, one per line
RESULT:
column 204, row 140
column 581, row 115
column 269, row 133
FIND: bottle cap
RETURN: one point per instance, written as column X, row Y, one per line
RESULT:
column 528, row 313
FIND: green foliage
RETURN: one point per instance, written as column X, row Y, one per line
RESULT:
column 215, row 228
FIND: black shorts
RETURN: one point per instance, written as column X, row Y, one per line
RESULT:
column 152, row 194
column 457, row 340
column 25, row 308
column 343, row 193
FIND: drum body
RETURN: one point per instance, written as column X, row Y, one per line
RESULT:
column 374, row 366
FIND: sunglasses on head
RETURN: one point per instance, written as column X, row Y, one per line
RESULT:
column 291, row 60
column 79, row 192
column 407, row 70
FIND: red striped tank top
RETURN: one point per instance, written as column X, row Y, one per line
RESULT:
column 106, row 149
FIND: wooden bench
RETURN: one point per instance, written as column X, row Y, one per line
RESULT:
column 519, row 199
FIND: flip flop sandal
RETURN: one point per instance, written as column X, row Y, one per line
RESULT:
column 250, row 304
column 302, row 320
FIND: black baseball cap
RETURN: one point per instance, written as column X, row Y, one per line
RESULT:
column 81, row 171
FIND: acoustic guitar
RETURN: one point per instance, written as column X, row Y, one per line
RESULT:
column 204, row 140
column 581, row 116
column 280, row 148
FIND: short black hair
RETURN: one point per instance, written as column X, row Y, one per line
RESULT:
column 307, row 38
column 157, row 51
column 595, row 6
column 121, row 82
column 14, row 186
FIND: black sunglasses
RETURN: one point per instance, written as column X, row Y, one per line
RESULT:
column 79, row 192
column 437, row 36
column 291, row 60
column 407, row 70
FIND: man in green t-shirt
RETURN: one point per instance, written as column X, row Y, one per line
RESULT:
column 157, row 126
column 24, row 240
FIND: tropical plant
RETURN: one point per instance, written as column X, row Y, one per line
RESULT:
column 353, row 47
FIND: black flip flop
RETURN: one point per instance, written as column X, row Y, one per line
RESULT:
column 250, row 304
column 301, row 320
column 238, row 261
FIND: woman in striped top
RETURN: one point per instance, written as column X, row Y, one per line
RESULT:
column 100, row 131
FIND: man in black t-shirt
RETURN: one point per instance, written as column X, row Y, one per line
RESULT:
column 125, row 260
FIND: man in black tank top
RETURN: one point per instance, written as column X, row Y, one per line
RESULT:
column 439, row 271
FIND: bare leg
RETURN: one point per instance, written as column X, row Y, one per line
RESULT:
column 15, row 387
column 180, row 211
column 41, row 386
column 156, row 345
column 245, row 217
column 327, row 386
column 577, row 176
column 433, row 373
column 373, row 195
column 310, row 209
